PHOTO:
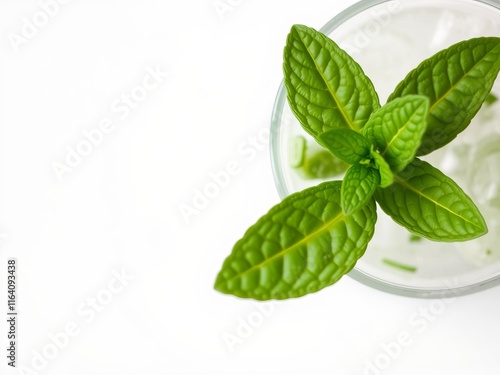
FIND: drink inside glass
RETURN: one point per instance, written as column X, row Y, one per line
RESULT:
column 388, row 39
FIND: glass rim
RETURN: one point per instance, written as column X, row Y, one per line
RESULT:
column 279, row 180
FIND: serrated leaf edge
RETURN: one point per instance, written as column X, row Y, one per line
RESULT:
column 348, row 121
column 444, row 96
column 330, row 223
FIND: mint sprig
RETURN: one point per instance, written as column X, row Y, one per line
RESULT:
column 313, row 237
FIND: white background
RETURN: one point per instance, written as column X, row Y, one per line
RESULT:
column 117, row 211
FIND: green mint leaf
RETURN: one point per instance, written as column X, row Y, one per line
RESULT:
column 397, row 129
column 431, row 205
column 457, row 81
column 326, row 88
column 300, row 246
column 386, row 175
column 346, row 144
column 358, row 187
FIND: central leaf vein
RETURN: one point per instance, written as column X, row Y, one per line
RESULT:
column 405, row 184
column 393, row 139
column 454, row 86
column 348, row 121
column 328, row 224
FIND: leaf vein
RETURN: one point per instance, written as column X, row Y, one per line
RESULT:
column 349, row 122
column 422, row 195
column 330, row 223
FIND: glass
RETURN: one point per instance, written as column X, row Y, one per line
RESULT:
column 388, row 39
